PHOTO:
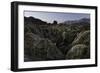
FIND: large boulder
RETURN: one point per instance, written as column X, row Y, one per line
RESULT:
column 79, row 51
column 82, row 38
column 80, row 47
column 38, row 48
column 30, row 40
column 46, row 50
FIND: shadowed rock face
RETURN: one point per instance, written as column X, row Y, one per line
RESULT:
column 45, row 41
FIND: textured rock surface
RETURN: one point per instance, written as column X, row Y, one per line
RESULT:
column 82, row 38
column 55, row 41
column 40, row 48
column 80, row 46
column 77, row 52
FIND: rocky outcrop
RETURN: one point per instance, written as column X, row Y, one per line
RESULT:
column 77, row 52
column 41, row 49
column 80, row 46
column 44, row 41
column 82, row 38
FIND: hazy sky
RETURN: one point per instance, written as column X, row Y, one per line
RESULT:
column 59, row 17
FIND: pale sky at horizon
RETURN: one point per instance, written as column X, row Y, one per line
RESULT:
column 58, row 16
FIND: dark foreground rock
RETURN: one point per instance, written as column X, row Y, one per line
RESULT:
column 41, row 49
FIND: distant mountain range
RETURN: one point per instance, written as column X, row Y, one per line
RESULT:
column 82, row 21
column 32, row 20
